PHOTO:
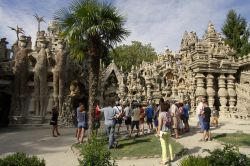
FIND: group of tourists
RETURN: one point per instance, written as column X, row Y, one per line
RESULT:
column 167, row 118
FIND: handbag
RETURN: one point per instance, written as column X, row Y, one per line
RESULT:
column 52, row 122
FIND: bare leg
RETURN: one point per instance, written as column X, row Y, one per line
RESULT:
column 204, row 135
column 53, row 130
column 82, row 135
column 209, row 136
column 79, row 134
column 176, row 133
column 142, row 127
column 57, row 130
column 118, row 129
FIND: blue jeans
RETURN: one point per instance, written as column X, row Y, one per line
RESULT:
column 110, row 131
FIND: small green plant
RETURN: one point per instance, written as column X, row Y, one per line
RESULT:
column 95, row 153
column 229, row 156
column 194, row 161
column 21, row 159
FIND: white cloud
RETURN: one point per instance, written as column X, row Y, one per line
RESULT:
column 21, row 13
column 163, row 22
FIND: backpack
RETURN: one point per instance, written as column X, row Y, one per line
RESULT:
column 167, row 121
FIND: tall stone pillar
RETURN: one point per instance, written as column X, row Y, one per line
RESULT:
column 148, row 91
column 223, row 94
column 200, row 90
column 210, row 90
column 231, row 94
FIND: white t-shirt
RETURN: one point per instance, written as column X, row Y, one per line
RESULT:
column 136, row 114
column 127, row 111
column 174, row 110
column 118, row 108
column 199, row 108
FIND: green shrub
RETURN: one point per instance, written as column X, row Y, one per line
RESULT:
column 95, row 153
column 21, row 159
column 228, row 156
column 194, row 161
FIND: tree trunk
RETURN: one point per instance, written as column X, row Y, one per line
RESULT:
column 94, row 66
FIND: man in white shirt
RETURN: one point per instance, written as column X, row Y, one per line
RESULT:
column 199, row 110
column 110, row 115
column 118, row 108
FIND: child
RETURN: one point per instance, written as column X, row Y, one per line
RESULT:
column 54, row 120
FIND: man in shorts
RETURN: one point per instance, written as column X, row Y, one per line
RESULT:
column 118, row 108
column 206, row 122
column 135, row 118
column 149, row 114
column 127, row 117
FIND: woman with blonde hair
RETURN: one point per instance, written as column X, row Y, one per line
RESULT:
column 164, row 132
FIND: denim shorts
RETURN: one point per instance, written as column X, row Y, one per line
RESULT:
column 82, row 125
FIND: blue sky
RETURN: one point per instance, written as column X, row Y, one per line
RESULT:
column 159, row 22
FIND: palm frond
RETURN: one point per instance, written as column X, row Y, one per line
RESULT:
column 88, row 23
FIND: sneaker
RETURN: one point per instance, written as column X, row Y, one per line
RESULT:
column 163, row 162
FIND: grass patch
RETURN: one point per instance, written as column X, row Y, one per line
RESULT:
column 143, row 146
column 238, row 139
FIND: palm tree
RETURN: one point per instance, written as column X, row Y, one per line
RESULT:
column 90, row 27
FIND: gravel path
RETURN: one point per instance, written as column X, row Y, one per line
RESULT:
column 57, row 150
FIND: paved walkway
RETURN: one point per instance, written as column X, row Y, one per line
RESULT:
column 57, row 151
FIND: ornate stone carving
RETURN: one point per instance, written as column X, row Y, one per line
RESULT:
column 59, row 70
column 20, row 70
column 40, row 75
column 210, row 90
column 223, row 94
column 200, row 90
column 231, row 92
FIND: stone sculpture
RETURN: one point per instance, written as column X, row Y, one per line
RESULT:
column 20, row 70
column 202, row 67
column 40, row 75
column 59, row 75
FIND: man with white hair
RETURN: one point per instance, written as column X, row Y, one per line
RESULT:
column 110, row 115
column 175, row 115
column 199, row 111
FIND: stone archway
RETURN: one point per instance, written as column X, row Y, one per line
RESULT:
column 5, row 103
column 110, row 89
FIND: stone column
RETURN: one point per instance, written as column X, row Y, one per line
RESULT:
column 223, row 94
column 231, row 93
column 200, row 90
column 148, row 91
column 210, row 91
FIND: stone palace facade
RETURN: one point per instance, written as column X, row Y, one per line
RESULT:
column 33, row 80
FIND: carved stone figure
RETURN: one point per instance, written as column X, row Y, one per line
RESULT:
column 40, row 75
column 59, row 75
column 20, row 70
